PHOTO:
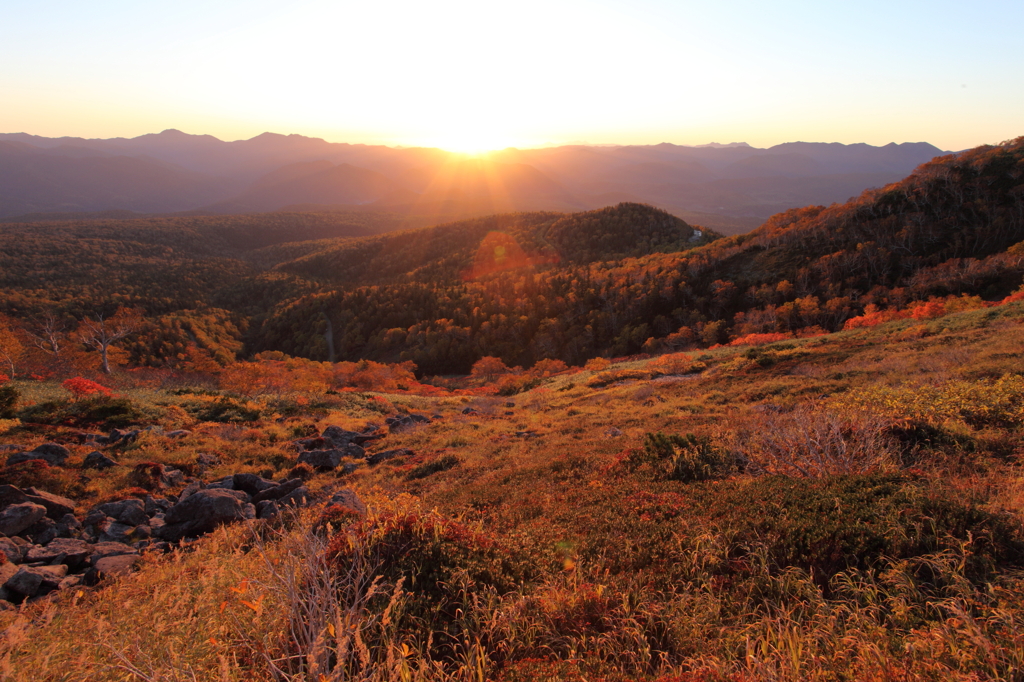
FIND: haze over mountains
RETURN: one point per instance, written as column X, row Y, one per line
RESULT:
column 731, row 187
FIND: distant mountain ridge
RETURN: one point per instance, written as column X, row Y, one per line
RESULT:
column 173, row 171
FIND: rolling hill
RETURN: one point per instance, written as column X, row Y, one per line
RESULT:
column 535, row 285
column 736, row 186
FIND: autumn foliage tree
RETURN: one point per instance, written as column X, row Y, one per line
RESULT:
column 11, row 347
column 489, row 367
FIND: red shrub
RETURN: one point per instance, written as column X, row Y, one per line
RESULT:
column 80, row 387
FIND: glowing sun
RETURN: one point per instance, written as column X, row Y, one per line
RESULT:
column 472, row 140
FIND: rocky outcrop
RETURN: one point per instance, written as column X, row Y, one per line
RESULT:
column 405, row 421
column 97, row 460
column 203, row 511
column 45, row 547
column 51, row 453
column 331, row 459
column 17, row 518
column 346, row 497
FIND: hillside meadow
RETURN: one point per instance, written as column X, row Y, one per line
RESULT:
column 842, row 506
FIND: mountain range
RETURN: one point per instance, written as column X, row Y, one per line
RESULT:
column 732, row 187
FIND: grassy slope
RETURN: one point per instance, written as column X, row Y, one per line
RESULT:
column 625, row 574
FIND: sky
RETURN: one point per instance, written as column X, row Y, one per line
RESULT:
column 469, row 76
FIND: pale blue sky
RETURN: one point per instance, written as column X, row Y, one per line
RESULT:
column 470, row 74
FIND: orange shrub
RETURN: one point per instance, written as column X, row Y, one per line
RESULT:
column 675, row 363
column 375, row 376
column 873, row 317
column 547, row 367
column 759, row 339
column 489, row 367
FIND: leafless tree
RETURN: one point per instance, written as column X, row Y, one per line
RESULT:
column 48, row 333
column 101, row 333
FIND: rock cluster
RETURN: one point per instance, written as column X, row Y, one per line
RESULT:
column 335, row 444
column 45, row 547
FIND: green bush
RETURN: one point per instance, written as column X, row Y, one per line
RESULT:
column 8, row 401
column 443, row 565
column 111, row 412
column 223, row 409
column 832, row 524
column 650, row 530
column 107, row 411
column 682, row 458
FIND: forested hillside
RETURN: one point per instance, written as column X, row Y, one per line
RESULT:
column 945, row 230
column 528, row 286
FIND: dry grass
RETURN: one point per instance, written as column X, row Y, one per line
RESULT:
column 812, row 441
column 618, row 592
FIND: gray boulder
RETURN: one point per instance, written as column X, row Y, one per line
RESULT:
column 299, row 497
column 330, row 459
column 17, row 518
column 278, row 491
column 267, row 509
column 251, row 483
column 97, row 460
column 42, row 532
column 340, row 437
column 14, row 552
column 130, row 511
column 171, row 478
column 68, row 526
column 30, row 581
column 156, row 505
column 321, row 459
column 178, row 433
column 226, row 483
column 405, row 421
column 346, row 497
column 114, row 531
column 122, row 436
column 114, row 565
column 101, row 550
column 190, row 489
column 47, row 452
column 11, row 495
column 25, row 582
column 73, row 553
column 56, row 505
column 203, row 511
